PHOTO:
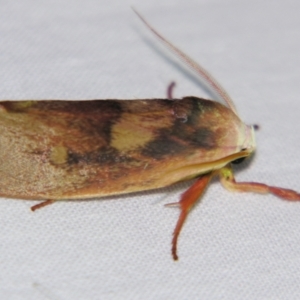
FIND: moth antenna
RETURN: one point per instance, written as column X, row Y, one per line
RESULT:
column 210, row 80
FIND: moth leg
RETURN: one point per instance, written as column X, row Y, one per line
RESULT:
column 228, row 181
column 187, row 201
column 170, row 90
column 41, row 204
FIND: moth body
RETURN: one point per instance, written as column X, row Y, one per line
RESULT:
column 83, row 149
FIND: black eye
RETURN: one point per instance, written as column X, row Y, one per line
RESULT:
column 238, row 161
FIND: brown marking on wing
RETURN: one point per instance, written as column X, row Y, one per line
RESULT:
column 189, row 130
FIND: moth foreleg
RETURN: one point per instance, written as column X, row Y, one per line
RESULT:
column 228, row 181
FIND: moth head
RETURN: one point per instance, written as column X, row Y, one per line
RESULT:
column 248, row 146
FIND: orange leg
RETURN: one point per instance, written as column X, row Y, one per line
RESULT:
column 41, row 204
column 187, row 201
column 228, row 181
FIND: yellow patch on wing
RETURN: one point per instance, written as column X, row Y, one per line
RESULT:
column 20, row 105
column 135, row 130
column 59, row 155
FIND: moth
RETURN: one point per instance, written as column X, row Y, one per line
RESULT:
column 61, row 150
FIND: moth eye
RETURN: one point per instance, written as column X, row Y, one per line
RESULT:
column 238, row 161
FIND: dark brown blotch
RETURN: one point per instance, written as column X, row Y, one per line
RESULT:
column 203, row 138
column 183, row 136
column 162, row 146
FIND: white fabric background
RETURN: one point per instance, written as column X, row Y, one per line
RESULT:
column 233, row 246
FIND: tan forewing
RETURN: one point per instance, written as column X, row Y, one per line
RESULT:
column 81, row 149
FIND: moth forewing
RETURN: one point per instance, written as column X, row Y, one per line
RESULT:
column 84, row 149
